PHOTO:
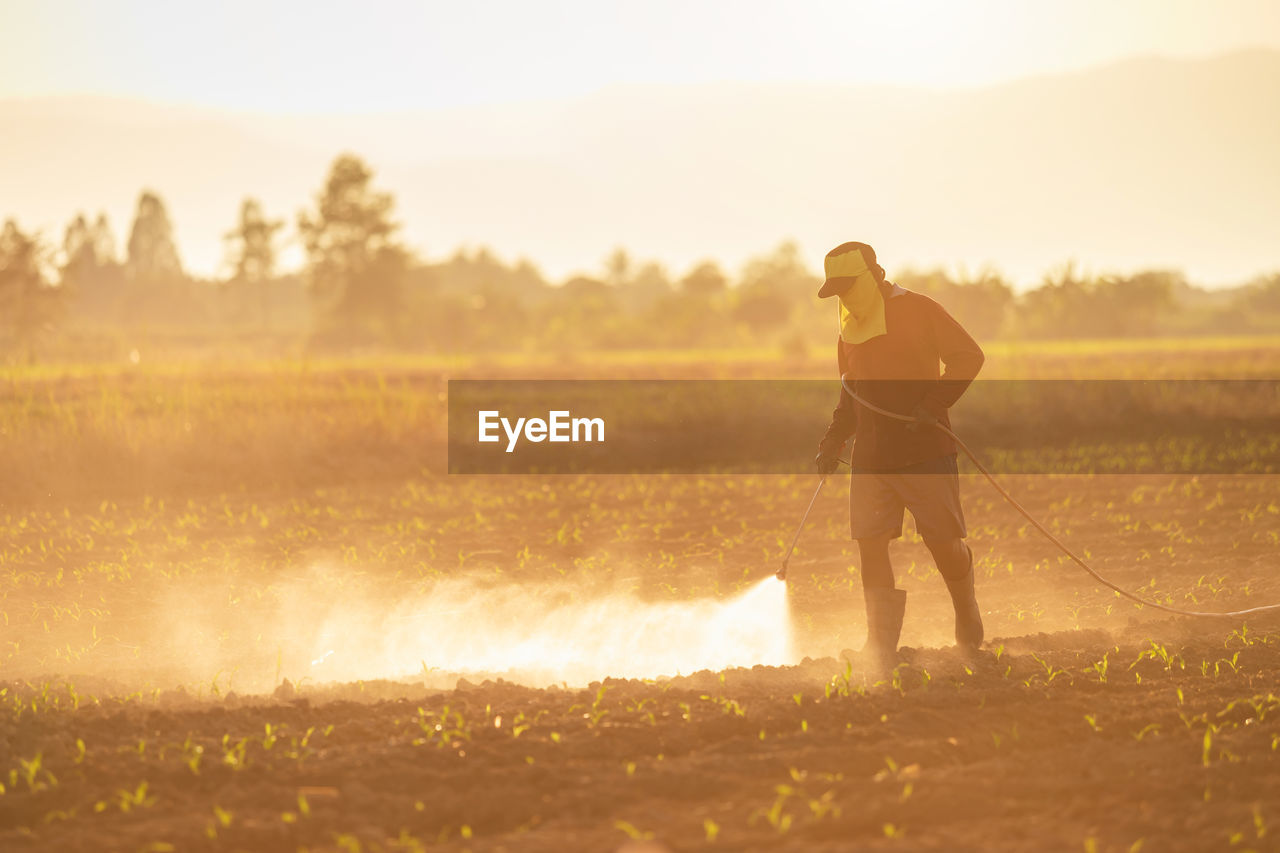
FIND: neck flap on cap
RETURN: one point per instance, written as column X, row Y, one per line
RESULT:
column 861, row 303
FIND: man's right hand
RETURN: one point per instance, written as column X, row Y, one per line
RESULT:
column 826, row 463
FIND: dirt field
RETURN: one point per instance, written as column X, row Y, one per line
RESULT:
column 250, row 613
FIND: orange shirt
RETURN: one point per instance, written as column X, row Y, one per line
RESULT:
column 899, row 371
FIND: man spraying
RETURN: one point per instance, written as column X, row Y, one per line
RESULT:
column 891, row 343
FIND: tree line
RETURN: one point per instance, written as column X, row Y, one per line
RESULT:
column 362, row 287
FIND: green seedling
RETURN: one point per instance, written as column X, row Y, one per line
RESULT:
column 841, row 684
column 522, row 724
column 136, row 799
column 1157, row 652
column 443, row 729
column 191, row 754
column 221, row 820
column 895, row 679
column 1260, row 705
column 1207, row 746
column 1149, row 729
column 1099, row 668
column 1050, row 671
column 726, row 705
column 304, row 811
column 1189, row 720
column 597, row 712
column 631, row 831
column 774, row 815
column 33, row 774
column 235, row 755
column 639, row 707
column 298, row 746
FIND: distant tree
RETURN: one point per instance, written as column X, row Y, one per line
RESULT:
column 477, row 274
column 983, row 304
column 1060, row 307
column 529, row 280
column 29, row 304
column 581, row 313
column 1069, row 305
column 79, row 255
column 474, row 300
column 1262, row 294
column 590, row 292
column 104, row 241
column 156, row 288
column 1136, row 304
column 693, row 312
column 356, row 267
column 771, row 287
column 153, row 256
column 89, row 275
column 251, row 253
column 617, row 268
column 705, row 280
column 649, row 284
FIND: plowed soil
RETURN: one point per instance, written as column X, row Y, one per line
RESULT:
column 1085, row 723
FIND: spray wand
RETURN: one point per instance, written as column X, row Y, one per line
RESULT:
column 782, row 572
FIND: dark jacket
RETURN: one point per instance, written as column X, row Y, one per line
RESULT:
column 898, row 371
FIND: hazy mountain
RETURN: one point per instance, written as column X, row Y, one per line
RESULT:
column 1148, row 162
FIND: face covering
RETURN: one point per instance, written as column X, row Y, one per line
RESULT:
column 862, row 304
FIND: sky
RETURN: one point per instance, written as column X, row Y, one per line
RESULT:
column 493, row 98
column 283, row 56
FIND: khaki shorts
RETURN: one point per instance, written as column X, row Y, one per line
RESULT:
column 931, row 490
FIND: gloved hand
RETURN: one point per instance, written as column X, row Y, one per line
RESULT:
column 826, row 463
column 921, row 416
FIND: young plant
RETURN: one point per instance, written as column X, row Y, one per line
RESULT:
column 1099, row 668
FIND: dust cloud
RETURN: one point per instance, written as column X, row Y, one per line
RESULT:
column 553, row 635
column 315, row 628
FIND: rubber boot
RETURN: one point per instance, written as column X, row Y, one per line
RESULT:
column 885, row 609
column 968, row 616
